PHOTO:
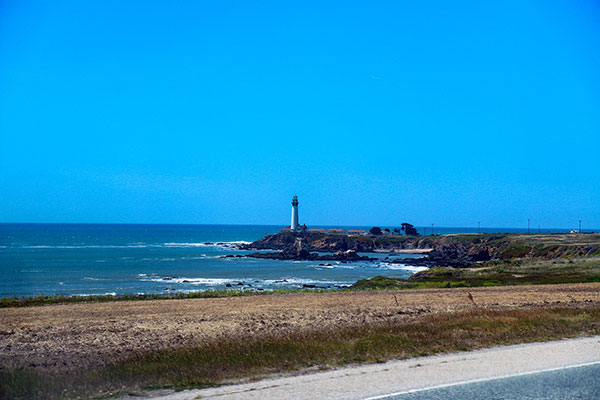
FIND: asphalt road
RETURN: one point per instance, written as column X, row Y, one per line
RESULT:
column 550, row 368
column 575, row 383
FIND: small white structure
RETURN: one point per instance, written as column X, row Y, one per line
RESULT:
column 356, row 232
column 294, row 225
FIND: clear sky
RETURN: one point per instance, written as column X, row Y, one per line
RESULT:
column 373, row 112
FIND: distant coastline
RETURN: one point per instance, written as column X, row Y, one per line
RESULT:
column 424, row 230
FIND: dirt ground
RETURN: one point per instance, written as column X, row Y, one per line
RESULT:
column 78, row 335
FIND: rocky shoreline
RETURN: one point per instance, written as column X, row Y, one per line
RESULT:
column 441, row 250
column 303, row 246
column 307, row 246
column 348, row 255
column 301, row 250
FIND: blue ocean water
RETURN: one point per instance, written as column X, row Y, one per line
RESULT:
column 84, row 259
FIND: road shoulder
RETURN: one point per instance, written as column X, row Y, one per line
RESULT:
column 396, row 377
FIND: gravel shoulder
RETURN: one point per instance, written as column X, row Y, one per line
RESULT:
column 394, row 378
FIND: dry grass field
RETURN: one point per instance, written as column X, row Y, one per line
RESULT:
column 65, row 336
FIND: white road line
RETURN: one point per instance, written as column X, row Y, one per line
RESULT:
column 384, row 396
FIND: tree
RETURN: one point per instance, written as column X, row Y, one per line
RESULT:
column 397, row 231
column 375, row 231
column 409, row 229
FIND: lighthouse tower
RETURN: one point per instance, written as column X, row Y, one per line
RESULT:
column 294, row 225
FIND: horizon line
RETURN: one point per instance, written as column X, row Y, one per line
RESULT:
column 532, row 229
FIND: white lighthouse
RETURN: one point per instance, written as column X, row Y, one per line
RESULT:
column 294, row 225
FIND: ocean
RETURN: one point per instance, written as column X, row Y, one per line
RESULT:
column 91, row 259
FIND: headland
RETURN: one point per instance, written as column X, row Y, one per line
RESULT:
column 458, row 250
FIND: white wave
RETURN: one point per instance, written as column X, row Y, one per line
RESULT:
column 389, row 266
column 299, row 281
column 128, row 246
column 39, row 247
column 246, row 282
column 341, row 266
column 203, row 257
column 196, row 281
column 189, row 244
column 403, row 267
column 96, row 294
column 224, row 245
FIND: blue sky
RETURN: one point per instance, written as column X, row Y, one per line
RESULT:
column 372, row 112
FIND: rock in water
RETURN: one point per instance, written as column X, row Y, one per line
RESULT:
column 301, row 248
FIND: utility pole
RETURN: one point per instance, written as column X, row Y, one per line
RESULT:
column 528, row 230
column 478, row 227
column 579, row 226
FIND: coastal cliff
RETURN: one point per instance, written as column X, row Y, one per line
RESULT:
column 450, row 250
column 325, row 242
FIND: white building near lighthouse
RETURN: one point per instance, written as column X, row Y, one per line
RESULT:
column 294, row 225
